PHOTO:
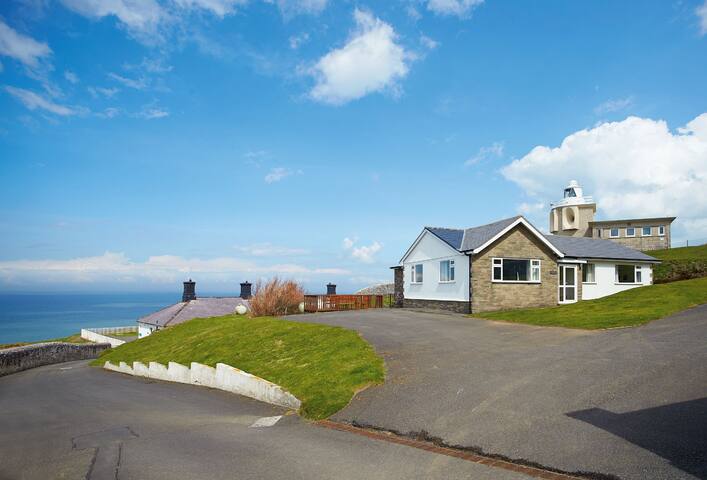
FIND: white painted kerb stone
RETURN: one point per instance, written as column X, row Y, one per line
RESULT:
column 223, row 377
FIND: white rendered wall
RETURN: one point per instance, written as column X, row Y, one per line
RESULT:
column 429, row 251
column 604, row 274
column 143, row 330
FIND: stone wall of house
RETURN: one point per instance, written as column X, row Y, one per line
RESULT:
column 398, row 286
column 518, row 243
column 448, row 305
column 637, row 242
column 21, row 358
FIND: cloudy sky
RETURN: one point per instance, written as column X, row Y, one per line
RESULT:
column 143, row 142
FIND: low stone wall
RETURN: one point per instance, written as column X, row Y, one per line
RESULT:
column 223, row 377
column 448, row 305
column 17, row 359
column 100, row 335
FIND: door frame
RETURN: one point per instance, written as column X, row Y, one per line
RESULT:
column 562, row 286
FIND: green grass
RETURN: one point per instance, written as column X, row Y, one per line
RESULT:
column 680, row 263
column 323, row 366
column 122, row 334
column 75, row 338
column 625, row 309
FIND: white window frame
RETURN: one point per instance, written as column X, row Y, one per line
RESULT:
column 413, row 276
column 650, row 231
column 632, row 234
column 451, row 271
column 593, row 268
column 611, row 232
column 661, row 230
column 534, row 264
column 637, row 274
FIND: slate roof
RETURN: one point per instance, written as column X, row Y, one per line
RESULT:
column 468, row 239
column 200, row 308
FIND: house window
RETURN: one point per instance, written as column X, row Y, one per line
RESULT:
column 516, row 270
column 628, row 274
column 614, row 232
column 588, row 275
column 661, row 230
column 598, row 232
column 646, row 231
column 417, row 273
column 630, row 232
column 446, row 271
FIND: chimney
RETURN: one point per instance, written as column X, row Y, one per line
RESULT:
column 189, row 291
column 330, row 289
column 246, row 290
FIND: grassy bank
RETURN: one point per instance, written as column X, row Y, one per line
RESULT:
column 625, row 309
column 75, row 338
column 680, row 263
column 323, row 366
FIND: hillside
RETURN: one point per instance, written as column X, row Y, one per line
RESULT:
column 680, row 263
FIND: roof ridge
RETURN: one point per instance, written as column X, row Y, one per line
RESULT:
column 445, row 228
column 516, row 217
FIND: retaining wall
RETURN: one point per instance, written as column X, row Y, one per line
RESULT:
column 223, row 377
column 99, row 335
column 17, row 359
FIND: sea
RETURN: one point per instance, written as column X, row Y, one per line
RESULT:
column 33, row 317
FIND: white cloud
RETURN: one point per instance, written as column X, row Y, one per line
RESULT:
column 613, row 105
column 137, row 84
column 428, row 43
column 71, row 76
column 142, row 18
column 114, row 267
column 484, row 153
column 269, row 250
column 526, row 208
column 371, row 61
column 276, row 174
column 364, row 253
column 701, row 12
column 106, row 92
column 150, row 113
column 33, row 101
column 460, row 8
column 636, row 167
column 290, row 8
column 297, row 41
column 21, row 47
column 110, row 112
column 220, row 8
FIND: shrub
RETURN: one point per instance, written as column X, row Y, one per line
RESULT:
column 276, row 297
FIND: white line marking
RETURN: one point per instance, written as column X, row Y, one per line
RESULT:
column 266, row 421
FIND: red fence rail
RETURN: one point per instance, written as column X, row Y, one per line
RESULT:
column 332, row 303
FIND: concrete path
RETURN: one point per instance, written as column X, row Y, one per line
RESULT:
column 71, row 421
column 628, row 402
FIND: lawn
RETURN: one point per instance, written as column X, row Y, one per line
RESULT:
column 323, row 366
column 625, row 309
column 75, row 338
column 680, row 263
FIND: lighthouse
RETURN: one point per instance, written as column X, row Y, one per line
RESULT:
column 571, row 215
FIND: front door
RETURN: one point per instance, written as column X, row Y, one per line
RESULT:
column 568, row 284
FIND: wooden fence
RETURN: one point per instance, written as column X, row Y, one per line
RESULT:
column 332, row 303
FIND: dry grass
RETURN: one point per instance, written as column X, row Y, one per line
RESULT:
column 276, row 297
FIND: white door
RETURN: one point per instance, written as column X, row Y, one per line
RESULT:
column 568, row 284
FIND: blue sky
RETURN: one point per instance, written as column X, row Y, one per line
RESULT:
column 144, row 142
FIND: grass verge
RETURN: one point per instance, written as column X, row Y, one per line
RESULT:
column 624, row 309
column 321, row 365
column 680, row 263
column 75, row 338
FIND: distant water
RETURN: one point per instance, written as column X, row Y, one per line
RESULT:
column 30, row 317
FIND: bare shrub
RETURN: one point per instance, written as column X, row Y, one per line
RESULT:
column 276, row 297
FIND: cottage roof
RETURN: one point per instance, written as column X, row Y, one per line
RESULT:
column 583, row 247
column 202, row 307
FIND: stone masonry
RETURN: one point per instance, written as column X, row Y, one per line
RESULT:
column 448, row 305
column 30, row 356
column 638, row 241
column 398, row 286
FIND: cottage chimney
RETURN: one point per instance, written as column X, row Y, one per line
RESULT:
column 246, row 290
column 189, row 291
column 330, row 289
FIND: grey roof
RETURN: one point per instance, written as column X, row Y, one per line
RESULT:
column 199, row 308
column 471, row 238
column 583, row 247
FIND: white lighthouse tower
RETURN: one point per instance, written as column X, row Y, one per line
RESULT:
column 571, row 215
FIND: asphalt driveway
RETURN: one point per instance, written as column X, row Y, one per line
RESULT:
column 627, row 402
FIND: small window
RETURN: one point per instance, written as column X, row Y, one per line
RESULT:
column 628, row 274
column 516, row 270
column 614, row 232
column 588, row 275
column 417, row 273
column 598, row 232
column 630, row 232
column 646, row 231
column 498, row 269
column 535, row 270
column 661, row 230
column 446, row 271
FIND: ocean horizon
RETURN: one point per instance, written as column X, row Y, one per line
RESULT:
column 29, row 317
